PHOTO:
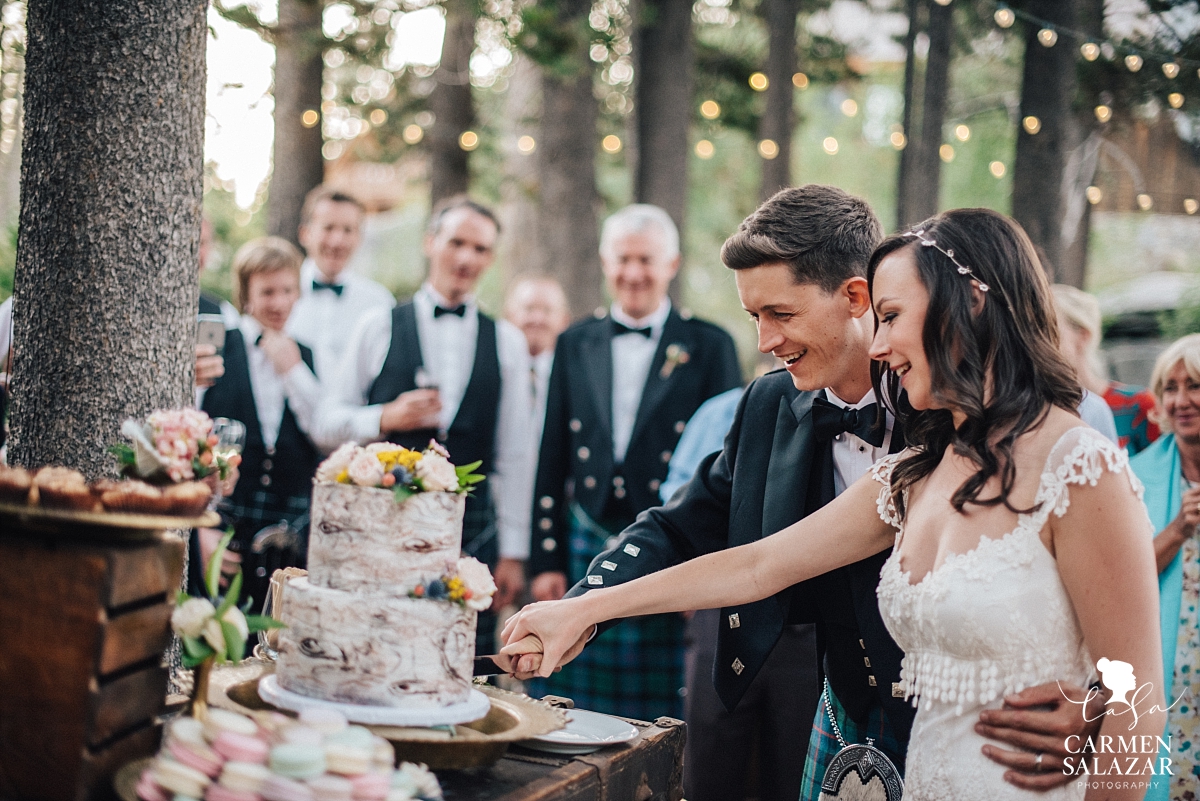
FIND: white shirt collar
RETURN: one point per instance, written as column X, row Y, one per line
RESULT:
column 435, row 298
column 867, row 399
column 310, row 273
column 251, row 329
column 655, row 320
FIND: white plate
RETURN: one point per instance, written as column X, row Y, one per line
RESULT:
column 584, row 733
column 475, row 707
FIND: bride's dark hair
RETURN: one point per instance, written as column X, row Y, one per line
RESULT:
column 1000, row 365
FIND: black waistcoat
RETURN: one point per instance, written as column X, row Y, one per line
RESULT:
column 472, row 434
column 285, row 469
column 209, row 304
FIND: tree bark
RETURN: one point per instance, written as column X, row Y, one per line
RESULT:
column 517, row 251
column 451, row 104
column 908, row 156
column 106, row 283
column 299, row 72
column 925, row 184
column 1047, row 88
column 779, row 119
column 567, row 229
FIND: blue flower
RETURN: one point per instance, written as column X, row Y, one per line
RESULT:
column 403, row 476
column 436, row 590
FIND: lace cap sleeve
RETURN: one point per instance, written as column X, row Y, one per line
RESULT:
column 881, row 471
column 1081, row 457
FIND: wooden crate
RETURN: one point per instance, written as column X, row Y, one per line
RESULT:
column 83, row 627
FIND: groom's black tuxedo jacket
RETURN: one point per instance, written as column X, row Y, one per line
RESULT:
column 771, row 472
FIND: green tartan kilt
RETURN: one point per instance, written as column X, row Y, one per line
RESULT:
column 635, row 669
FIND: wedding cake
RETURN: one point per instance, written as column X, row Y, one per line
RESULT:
column 386, row 615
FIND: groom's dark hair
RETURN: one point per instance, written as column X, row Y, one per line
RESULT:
column 825, row 235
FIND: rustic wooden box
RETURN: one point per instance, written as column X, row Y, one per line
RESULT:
column 83, row 627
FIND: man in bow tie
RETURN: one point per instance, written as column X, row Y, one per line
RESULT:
column 800, row 436
column 332, row 297
column 621, row 390
column 439, row 368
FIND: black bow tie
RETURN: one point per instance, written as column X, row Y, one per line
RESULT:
column 334, row 288
column 829, row 420
column 458, row 311
column 619, row 329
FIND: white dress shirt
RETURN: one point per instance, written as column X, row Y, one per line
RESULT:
column 853, row 457
column 541, row 367
column 298, row 387
column 324, row 320
column 448, row 355
column 632, row 355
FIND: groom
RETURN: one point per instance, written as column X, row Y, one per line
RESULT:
column 800, row 437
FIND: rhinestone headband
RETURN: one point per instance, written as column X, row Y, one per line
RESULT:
column 926, row 242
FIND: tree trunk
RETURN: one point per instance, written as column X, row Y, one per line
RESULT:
column 517, row 251
column 106, row 290
column 1047, row 87
column 299, row 72
column 779, row 118
column 451, row 104
column 924, row 188
column 566, row 165
column 908, row 156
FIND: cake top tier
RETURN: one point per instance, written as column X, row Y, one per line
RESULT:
column 406, row 472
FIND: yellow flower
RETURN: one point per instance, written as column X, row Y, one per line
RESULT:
column 389, row 458
column 407, row 459
column 343, row 477
column 455, row 587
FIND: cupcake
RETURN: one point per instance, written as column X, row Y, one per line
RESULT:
column 63, row 488
column 188, row 499
column 14, row 484
column 136, row 497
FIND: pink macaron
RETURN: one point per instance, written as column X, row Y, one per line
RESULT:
column 148, row 790
column 371, row 786
column 331, row 788
column 203, row 759
column 240, row 748
column 277, row 788
column 219, row 792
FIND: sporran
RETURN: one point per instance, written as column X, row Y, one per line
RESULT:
column 858, row 772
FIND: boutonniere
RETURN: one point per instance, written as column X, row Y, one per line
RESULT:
column 676, row 355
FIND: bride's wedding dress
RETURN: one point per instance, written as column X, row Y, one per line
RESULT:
column 985, row 623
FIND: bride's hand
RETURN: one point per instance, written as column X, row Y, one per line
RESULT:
column 558, row 626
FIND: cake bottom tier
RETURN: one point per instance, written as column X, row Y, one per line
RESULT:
column 378, row 650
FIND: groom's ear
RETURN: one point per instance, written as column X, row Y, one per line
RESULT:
column 857, row 293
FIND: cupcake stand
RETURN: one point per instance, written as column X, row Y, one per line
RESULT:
column 85, row 608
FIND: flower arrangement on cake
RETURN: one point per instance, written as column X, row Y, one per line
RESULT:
column 470, row 585
column 404, row 471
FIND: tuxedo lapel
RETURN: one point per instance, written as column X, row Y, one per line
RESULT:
column 789, row 470
column 655, row 390
column 596, row 352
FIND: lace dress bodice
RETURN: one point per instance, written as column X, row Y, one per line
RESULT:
column 985, row 623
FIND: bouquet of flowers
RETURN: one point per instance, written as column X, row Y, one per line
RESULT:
column 470, row 585
column 173, row 445
column 406, row 472
column 215, row 627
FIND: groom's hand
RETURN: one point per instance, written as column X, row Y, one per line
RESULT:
column 1040, row 720
column 526, row 665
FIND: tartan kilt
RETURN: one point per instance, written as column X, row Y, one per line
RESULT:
column 635, row 669
column 823, row 744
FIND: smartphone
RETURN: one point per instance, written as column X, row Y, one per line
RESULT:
column 210, row 330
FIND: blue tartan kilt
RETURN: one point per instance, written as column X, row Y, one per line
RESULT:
column 635, row 669
column 823, row 744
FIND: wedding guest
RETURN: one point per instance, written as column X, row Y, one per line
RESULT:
column 269, row 385
column 1079, row 338
column 1170, row 470
column 621, row 391
column 538, row 306
column 437, row 367
column 332, row 297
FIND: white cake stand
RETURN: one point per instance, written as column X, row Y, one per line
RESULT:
column 475, row 707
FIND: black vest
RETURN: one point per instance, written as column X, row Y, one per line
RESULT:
column 209, row 304
column 472, row 434
column 287, row 468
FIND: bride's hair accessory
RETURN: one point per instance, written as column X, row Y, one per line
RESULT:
column 963, row 269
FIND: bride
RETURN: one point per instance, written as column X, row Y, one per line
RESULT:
column 1022, row 553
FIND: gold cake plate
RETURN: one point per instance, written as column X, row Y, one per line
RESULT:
column 511, row 718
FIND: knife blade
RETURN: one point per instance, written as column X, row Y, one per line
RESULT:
column 488, row 666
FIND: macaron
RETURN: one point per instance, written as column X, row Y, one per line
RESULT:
column 245, row 776
column 399, row 794
column 187, row 730
column 356, row 736
column 277, row 788
column 326, row 721
column 220, row 720
column 383, row 754
column 178, row 778
column 301, row 735
column 371, row 786
column 331, row 788
column 200, row 757
column 148, row 790
column 241, row 748
column 298, row 761
column 219, row 792
column 347, row 760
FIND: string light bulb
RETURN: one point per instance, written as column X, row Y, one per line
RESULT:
column 1190, row 205
column 1175, row 99
column 309, row 118
column 768, row 149
column 710, row 109
column 758, row 82
column 1094, row 195
column 705, row 149
column 849, row 107
column 997, row 169
column 898, row 140
column 1090, row 51
column 961, row 132
column 413, row 133
column 1048, row 37
column 1103, row 113
column 468, row 140
column 1145, row 202
column 526, row 144
column 1133, row 62
column 1031, row 124
column 830, row 145
column 946, row 152
column 1004, row 17
column 800, row 80
column 1170, row 69
column 611, row 143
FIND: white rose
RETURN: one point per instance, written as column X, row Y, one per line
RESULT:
column 338, row 461
column 379, row 447
column 417, row 779
column 436, row 473
column 189, row 618
column 476, row 577
column 366, row 470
